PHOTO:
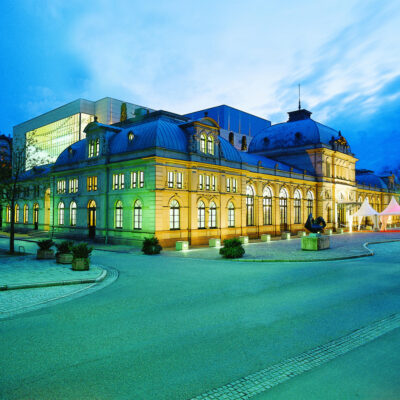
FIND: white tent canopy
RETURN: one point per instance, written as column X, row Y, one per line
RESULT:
column 393, row 208
column 366, row 211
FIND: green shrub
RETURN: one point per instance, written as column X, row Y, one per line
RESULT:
column 81, row 250
column 232, row 248
column 64, row 247
column 151, row 246
column 46, row 244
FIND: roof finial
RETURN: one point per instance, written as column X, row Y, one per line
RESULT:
column 299, row 98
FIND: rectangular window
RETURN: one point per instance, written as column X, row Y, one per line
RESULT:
column 133, row 180
column 231, row 217
column 91, row 183
column 73, row 185
column 207, row 182
column 297, row 211
column 170, row 179
column 179, row 180
column 234, row 186
column 141, row 179
column 228, row 184
column 61, row 185
column 213, row 184
column 118, row 181
column 201, row 182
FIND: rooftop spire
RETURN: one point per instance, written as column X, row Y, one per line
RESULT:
column 299, row 98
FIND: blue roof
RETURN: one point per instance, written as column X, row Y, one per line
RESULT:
column 229, row 152
column 371, row 180
column 292, row 134
column 36, row 172
column 266, row 162
column 74, row 153
column 163, row 132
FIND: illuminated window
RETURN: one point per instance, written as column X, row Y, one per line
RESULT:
column 130, row 136
column 118, row 215
column 201, row 182
column 118, row 181
column 212, row 216
column 26, row 213
column 91, row 183
column 267, row 206
column 210, row 145
column 213, row 182
column 174, row 215
column 8, row 214
column 202, row 143
column 133, row 179
column 61, row 213
column 16, row 216
column 73, row 185
column 231, row 215
column 170, row 179
column 310, row 202
column 228, row 184
column 234, row 185
column 283, row 195
column 72, row 213
column 97, row 147
column 141, row 179
column 201, row 215
column 179, row 180
column 91, row 148
column 297, row 207
column 61, row 186
column 249, row 205
column 137, row 215
column 207, row 182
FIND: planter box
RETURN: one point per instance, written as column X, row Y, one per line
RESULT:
column 64, row 258
column 285, row 236
column 328, row 232
column 301, row 233
column 244, row 239
column 213, row 242
column 341, row 230
column 315, row 242
column 182, row 245
column 80, row 264
column 45, row 254
column 265, row 237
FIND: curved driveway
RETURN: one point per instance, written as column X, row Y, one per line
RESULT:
column 173, row 328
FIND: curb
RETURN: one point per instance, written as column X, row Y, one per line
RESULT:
column 365, row 245
column 100, row 278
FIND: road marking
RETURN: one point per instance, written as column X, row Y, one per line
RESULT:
column 260, row 381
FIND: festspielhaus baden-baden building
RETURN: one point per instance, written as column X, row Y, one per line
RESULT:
column 119, row 172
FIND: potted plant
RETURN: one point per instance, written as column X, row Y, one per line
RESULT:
column 64, row 252
column 151, row 246
column 81, row 253
column 232, row 248
column 45, row 252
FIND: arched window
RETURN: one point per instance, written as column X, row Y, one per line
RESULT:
column 91, row 148
column 137, row 215
column 267, row 206
column 118, row 215
column 212, row 216
column 16, row 216
column 97, row 147
column 202, row 143
column 283, row 196
column 249, row 205
column 26, row 213
column 72, row 213
column 201, row 215
column 231, row 215
column 174, row 215
column 8, row 214
column 297, row 207
column 60, row 213
column 210, row 145
column 310, row 202
column 231, row 138
column 36, row 215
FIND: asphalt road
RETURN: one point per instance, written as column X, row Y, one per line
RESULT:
column 174, row 328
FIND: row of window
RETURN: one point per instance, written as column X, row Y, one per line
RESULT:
column 94, row 148
column 137, row 180
column 25, row 213
column 175, row 179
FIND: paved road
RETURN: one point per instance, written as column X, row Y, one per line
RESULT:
column 174, row 328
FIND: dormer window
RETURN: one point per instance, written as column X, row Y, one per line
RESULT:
column 94, row 148
column 210, row 145
column 130, row 136
column 203, row 143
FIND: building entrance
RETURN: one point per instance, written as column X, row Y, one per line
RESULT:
column 92, row 219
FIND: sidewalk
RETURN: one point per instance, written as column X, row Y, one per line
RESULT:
column 22, row 272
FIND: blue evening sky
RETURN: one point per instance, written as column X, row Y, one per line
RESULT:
column 183, row 56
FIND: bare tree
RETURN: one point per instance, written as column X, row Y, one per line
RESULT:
column 11, row 175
